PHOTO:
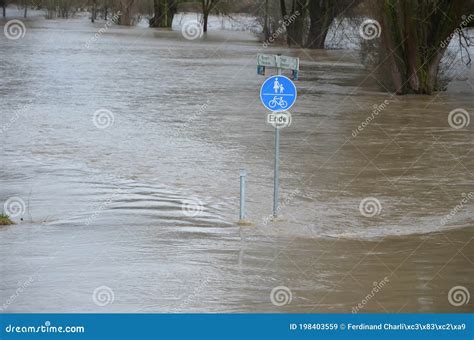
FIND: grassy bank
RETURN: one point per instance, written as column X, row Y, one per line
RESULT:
column 5, row 220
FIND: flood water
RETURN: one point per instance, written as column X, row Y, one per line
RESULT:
column 104, row 207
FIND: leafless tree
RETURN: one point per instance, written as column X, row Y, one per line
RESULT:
column 293, row 19
column 415, row 35
column 127, row 12
column 3, row 3
column 164, row 11
column 207, row 7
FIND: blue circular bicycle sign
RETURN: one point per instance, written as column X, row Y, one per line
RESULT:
column 278, row 93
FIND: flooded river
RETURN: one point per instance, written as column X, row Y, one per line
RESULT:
column 123, row 151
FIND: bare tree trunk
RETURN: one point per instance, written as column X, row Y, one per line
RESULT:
column 207, row 6
column 266, row 31
column 171, row 11
column 3, row 3
column 94, row 10
column 155, row 21
column 51, row 9
column 321, row 15
column 321, row 18
column 164, row 13
column 294, row 21
column 205, row 20
column 283, row 8
column 25, row 11
column 205, row 15
column 126, row 16
column 415, row 47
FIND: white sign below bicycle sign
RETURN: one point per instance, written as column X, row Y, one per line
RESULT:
column 279, row 120
column 278, row 93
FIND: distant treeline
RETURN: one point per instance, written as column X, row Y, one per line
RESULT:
column 404, row 40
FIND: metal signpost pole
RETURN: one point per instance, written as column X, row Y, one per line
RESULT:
column 276, row 179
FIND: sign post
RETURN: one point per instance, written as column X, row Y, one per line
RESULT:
column 276, row 179
column 278, row 93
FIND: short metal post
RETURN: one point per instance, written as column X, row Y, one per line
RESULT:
column 243, row 173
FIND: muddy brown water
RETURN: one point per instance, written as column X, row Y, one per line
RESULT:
column 103, row 208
